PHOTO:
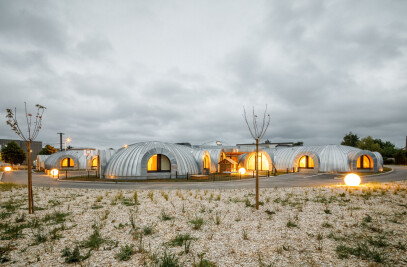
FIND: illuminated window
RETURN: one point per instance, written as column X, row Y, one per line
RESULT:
column 364, row 162
column 158, row 163
column 306, row 162
column 263, row 162
column 95, row 163
column 206, row 162
column 67, row 163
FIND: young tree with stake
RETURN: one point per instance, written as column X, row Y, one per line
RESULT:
column 32, row 133
column 257, row 133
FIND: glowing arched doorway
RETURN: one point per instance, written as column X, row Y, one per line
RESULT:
column 158, row 163
column 306, row 162
column 364, row 162
column 67, row 163
column 262, row 160
column 94, row 164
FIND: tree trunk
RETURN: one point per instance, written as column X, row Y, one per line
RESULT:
column 257, row 174
column 30, row 188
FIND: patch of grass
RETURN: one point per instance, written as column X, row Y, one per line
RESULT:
column 20, row 218
column 10, row 186
column 367, row 219
column 125, row 253
column 96, row 207
column 327, row 225
column 54, row 203
column 168, row 260
column 291, row 224
column 4, row 251
column 55, row 217
column 13, row 231
column 39, row 236
column 148, row 230
column 11, row 205
column 5, row 215
column 361, row 250
column 74, row 255
column 95, row 240
column 203, row 262
column 245, row 235
column 165, row 216
column 270, row 212
column 197, row 223
column 180, row 239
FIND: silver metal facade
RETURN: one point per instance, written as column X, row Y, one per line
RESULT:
column 78, row 156
column 132, row 161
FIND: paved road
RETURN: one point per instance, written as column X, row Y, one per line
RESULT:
column 288, row 180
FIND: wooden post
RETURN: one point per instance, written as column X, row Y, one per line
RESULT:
column 257, row 173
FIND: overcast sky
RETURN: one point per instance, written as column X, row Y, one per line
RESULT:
column 119, row 72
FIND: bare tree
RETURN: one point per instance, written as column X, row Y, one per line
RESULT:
column 257, row 133
column 32, row 133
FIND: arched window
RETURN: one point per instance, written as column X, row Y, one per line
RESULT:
column 306, row 162
column 364, row 162
column 206, row 162
column 263, row 162
column 158, row 163
column 94, row 163
column 67, row 163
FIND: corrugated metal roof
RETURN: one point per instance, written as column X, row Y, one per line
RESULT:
column 78, row 156
column 127, row 161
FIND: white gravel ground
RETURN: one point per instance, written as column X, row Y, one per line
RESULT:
column 294, row 226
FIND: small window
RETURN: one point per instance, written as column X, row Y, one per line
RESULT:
column 306, row 162
column 158, row 163
column 67, row 163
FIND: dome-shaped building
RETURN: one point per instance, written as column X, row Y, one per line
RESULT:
column 70, row 159
column 152, row 160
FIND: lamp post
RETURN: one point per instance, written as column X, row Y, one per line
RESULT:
column 68, row 140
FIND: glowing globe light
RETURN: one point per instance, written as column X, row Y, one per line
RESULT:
column 242, row 170
column 7, row 169
column 54, row 172
column 352, row 179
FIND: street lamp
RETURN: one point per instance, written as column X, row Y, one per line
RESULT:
column 68, row 140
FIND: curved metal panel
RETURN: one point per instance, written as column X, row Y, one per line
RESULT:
column 127, row 162
column 78, row 156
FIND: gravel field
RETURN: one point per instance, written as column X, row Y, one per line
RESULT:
column 311, row 226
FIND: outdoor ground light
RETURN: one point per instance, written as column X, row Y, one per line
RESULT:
column 242, row 170
column 7, row 169
column 54, row 172
column 352, row 179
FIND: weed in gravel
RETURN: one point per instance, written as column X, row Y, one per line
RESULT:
column 54, row 202
column 4, row 215
column 74, row 255
column 197, row 223
column 20, row 218
column 165, row 216
column 180, row 239
column 245, row 235
column 56, row 217
column 326, row 225
column 105, row 215
column 203, row 262
column 54, row 233
column 361, row 250
column 168, row 260
column 367, row 219
column 148, row 230
column 4, row 251
column 125, row 253
column 291, row 224
column 99, row 198
column 135, row 197
column 217, row 219
column 150, row 194
column 39, row 236
column 13, row 231
column 11, row 205
column 95, row 240
column 164, row 195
